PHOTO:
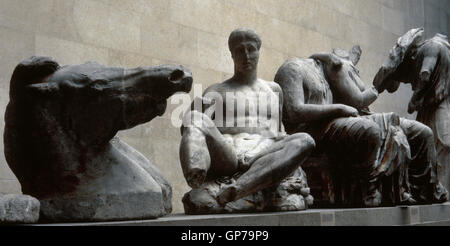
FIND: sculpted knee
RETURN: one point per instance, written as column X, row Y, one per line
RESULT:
column 373, row 135
column 302, row 142
column 426, row 132
column 191, row 135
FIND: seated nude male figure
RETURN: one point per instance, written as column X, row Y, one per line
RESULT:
column 216, row 144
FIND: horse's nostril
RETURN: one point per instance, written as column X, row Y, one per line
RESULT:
column 176, row 75
column 187, row 84
column 187, row 80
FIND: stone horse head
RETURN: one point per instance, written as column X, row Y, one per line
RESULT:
column 59, row 137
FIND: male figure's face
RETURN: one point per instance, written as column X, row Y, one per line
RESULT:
column 245, row 56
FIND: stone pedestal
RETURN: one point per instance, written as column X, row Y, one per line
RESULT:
column 436, row 214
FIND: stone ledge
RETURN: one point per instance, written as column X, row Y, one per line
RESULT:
column 436, row 214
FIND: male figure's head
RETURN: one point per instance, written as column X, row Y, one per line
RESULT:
column 244, row 45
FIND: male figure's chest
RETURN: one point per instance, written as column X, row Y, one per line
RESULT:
column 259, row 100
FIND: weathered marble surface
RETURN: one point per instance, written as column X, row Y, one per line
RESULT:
column 131, row 34
column 292, row 194
column 258, row 157
column 426, row 66
column 59, row 138
column 375, row 159
column 17, row 208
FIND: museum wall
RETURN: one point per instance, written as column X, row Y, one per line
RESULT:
column 131, row 33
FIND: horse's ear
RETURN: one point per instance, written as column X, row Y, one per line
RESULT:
column 30, row 72
column 355, row 54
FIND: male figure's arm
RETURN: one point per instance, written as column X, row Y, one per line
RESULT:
column 206, row 103
column 279, row 92
column 202, row 107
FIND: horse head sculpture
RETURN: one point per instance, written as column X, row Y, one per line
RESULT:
column 59, row 137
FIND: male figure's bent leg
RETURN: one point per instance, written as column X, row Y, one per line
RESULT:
column 204, row 151
column 276, row 163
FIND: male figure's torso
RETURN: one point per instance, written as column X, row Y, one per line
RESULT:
column 247, row 108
